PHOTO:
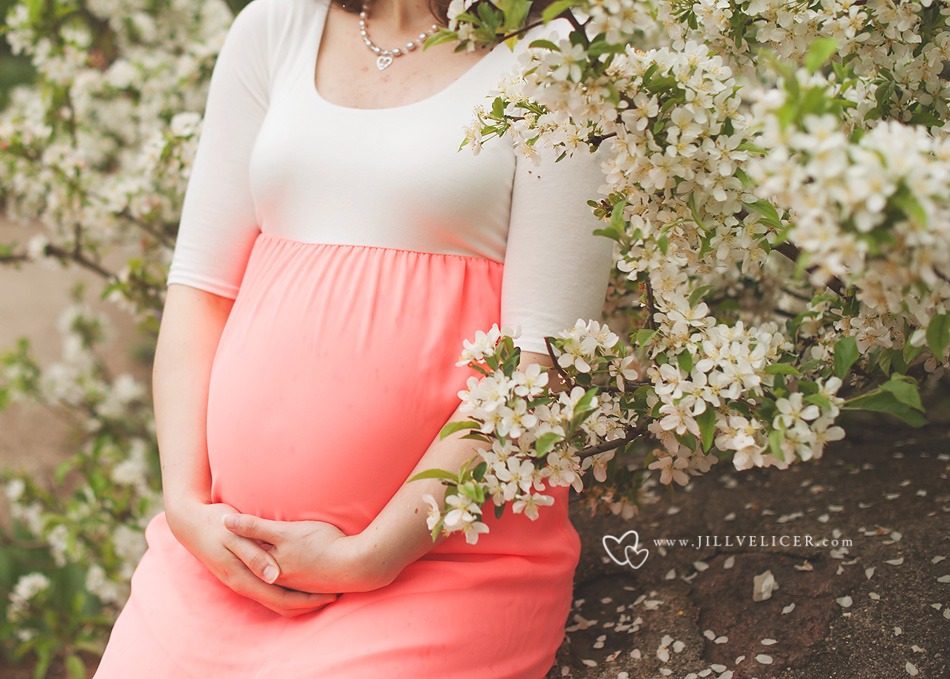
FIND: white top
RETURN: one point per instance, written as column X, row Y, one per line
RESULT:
column 274, row 156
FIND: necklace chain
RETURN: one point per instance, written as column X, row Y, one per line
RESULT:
column 385, row 57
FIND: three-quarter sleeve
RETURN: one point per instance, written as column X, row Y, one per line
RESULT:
column 556, row 270
column 218, row 220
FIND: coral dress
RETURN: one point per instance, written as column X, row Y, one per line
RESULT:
column 361, row 249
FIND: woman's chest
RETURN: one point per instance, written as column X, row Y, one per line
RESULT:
column 391, row 177
column 353, row 71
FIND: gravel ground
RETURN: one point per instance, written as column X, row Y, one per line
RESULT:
column 875, row 607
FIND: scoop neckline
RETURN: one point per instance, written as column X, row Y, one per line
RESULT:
column 315, row 93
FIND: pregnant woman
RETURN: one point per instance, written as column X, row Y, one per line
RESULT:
column 335, row 249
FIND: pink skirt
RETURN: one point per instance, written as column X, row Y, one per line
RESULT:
column 334, row 373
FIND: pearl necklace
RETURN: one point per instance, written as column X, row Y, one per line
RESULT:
column 385, row 57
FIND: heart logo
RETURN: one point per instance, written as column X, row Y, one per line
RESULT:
column 383, row 60
column 632, row 555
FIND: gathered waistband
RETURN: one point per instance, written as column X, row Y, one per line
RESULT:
column 291, row 242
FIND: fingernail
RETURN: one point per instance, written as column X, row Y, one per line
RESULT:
column 270, row 574
column 230, row 520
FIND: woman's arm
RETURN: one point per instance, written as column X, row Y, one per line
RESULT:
column 192, row 323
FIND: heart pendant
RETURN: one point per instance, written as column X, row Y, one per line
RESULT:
column 383, row 60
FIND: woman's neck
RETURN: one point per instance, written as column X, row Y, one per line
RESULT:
column 400, row 15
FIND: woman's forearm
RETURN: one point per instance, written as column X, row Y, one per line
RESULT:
column 399, row 534
column 192, row 322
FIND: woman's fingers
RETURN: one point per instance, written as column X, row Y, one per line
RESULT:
column 254, row 527
column 258, row 560
column 286, row 602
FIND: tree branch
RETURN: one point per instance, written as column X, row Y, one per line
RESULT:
column 792, row 252
column 578, row 26
column 631, row 436
column 524, row 29
column 560, row 371
column 162, row 238
column 4, row 259
column 651, row 305
column 78, row 257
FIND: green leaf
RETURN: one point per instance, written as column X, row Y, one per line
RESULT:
column 885, row 401
column 498, row 108
column 608, row 233
column 599, row 47
column 578, row 38
column 644, row 336
column 926, row 118
column 44, row 657
column 707, row 426
column 884, row 360
column 473, row 491
column 440, row 37
column 696, row 295
column 62, row 469
column 815, row 101
column 437, row 528
column 685, row 360
column 451, row 427
column 480, row 470
column 546, row 44
column 767, row 210
column 584, row 404
column 776, row 438
column 781, row 369
column 846, row 353
column 819, row 52
column 499, row 510
column 898, row 364
column 904, row 390
column 615, row 228
column 515, row 12
column 906, row 201
column 938, row 335
column 489, row 15
column 75, row 667
column 476, row 436
column 911, row 352
column 546, row 442
column 555, row 9
column 35, row 11
column 616, row 215
column 691, row 202
column 583, row 409
column 434, row 474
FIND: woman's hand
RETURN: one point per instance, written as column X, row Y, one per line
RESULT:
column 239, row 562
column 313, row 556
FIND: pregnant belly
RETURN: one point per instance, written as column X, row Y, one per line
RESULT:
column 336, row 371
